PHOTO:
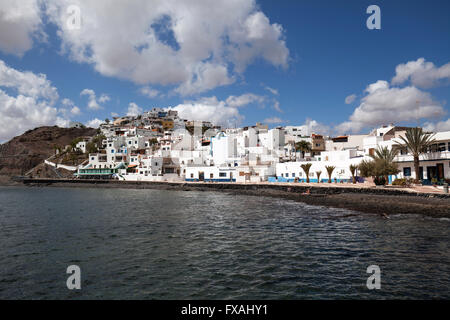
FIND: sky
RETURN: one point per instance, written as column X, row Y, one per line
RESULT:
column 232, row 62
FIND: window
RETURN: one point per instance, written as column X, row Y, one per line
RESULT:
column 222, row 174
column 92, row 158
column 211, row 175
column 112, row 150
column 293, row 175
column 407, row 172
column 129, row 142
column 282, row 175
column 192, row 175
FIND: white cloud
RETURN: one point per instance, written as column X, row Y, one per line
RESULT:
column 350, row 99
column 277, row 107
column 312, row 126
column 149, row 92
column 134, row 110
column 421, row 73
column 438, row 126
column 190, row 44
column 27, row 83
column 104, row 98
column 94, row 123
column 75, row 111
column 28, row 104
column 273, row 120
column 243, row 100
column 210, row 109
column 20, row 23
column 271, row 90
column 93, row 104
column 383, row 104
column 69, row 104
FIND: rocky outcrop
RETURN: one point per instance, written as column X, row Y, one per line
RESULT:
column 26, row 151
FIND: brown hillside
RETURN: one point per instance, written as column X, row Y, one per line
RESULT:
column 24, row 152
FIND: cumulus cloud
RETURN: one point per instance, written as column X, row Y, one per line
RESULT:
column 27, row 83
column 312, row 126
column 243, row 100
column 134, row 110
column 149, row 92
column 93, row 104
column 273, row 120
column 20, row 24
column 193, row 45
column 28, row 102
column 350, row 99
column 383, row 103
column 421, row 73
column 94, row 123
column 104, row 98
column 210, row 109
column 437, row 126
column 70, row 108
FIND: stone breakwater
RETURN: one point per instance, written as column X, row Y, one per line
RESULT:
column 383, row 201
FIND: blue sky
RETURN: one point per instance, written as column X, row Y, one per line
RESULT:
column 312, row 54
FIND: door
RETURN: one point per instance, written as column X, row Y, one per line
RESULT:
column 431, row 173
column 201, row 176
column 440, row 171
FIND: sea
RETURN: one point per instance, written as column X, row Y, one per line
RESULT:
column 160, row 244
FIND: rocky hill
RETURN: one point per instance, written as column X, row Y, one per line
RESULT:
column 24, row 152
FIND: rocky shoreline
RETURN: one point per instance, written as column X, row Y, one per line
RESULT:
column 383, row 201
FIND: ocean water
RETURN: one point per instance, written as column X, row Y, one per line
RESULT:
column 154, row 244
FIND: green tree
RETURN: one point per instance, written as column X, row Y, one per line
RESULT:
column 318, row 173
column 74, row 143
column 416, row 141
column 303, row 146
column 91, row 148
column 306, row 167
column 353, row 169
column 366, row 168
column 330, row 170
column 384, row 162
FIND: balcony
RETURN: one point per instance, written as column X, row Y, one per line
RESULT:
column 442, row 155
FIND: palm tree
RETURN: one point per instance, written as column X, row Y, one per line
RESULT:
column 353, row 169
column 385, row 153
column 330, row 170
column 318, row 173
column 303, row 146
column 384, row 160
column 416, row 141
column 306, row 168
